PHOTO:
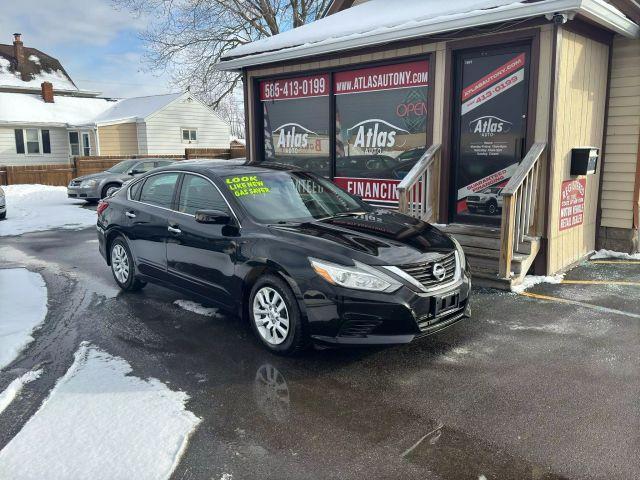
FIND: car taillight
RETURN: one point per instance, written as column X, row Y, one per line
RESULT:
column 102, row 206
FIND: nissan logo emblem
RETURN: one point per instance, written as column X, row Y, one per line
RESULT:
column 439, row 272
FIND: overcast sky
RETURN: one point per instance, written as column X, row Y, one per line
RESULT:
column 96, row 44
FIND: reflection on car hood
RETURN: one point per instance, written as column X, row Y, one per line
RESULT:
column 384, row 236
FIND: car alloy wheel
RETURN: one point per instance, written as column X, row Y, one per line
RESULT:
column 271, row 316
column 492, row 208
column 111, row 190
column 120, row 263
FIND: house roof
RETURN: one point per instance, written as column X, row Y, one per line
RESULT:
column 24, row 108
column 37, row 68
column 378, row 22
column 131, row 109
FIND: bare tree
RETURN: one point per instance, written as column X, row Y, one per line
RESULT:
column 188, row 37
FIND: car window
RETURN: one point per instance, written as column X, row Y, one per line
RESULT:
column 158, row 189
column 144, row 167
column 198, row 193
column 134, row 190
column 163, row 163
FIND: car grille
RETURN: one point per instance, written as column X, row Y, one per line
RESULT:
column 428, row 323
column 423, row 272
column 75, row 183
column 358, row 328
column 473, row 199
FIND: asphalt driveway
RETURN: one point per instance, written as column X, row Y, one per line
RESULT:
column 540, row 387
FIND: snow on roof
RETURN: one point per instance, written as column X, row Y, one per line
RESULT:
column 134, row 108
column 35, row 74
column 32, row 109
column 380, row 21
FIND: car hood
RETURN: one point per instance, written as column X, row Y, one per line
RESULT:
column 95, row 176
column 379, row 237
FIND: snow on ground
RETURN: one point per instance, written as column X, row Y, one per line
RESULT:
column 603, row 254
column 33, row 208
column 196, row 308
column 101, row 422
column 23, row 306
column 531, row 280
column 15, row 387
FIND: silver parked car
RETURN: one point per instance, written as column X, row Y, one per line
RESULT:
column 3, row 205
column 99, row 185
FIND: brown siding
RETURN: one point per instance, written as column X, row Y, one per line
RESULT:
column 120, row 139
column 623, row 133
column 579, row 121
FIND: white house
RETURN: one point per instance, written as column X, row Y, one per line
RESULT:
column 46, row 119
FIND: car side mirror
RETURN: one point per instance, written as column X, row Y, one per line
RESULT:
column 133, row 171
column 215, row 217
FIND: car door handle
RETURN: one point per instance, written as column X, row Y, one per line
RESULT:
column 174, row 229
column 130, row 214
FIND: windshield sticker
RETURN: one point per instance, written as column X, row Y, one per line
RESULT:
column 247, row 185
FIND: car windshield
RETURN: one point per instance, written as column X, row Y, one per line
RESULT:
column 494, row 190
column 123, row 167
column 291, row 197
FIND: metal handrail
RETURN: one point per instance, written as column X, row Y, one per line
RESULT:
column 519, row 198
column 414, row 191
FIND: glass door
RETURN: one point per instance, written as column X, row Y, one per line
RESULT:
column 489, row 129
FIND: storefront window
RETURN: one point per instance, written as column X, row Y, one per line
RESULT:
column 296, row 122
column 381, row 127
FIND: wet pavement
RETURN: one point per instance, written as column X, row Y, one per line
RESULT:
column 526, row 389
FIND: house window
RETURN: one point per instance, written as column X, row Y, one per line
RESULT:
column 32, row 141
column 189, row 135
column 79, row 144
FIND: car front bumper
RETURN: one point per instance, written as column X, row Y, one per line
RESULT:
column 350, row 317
column 84, row 193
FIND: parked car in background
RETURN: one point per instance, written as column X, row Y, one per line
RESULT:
column 3, row 205
column 300, row 258
column 100, row 185
column 487, row 201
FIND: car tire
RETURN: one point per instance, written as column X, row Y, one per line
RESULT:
column 278, row 327
column 3, row 215
column 492, row 208
column 109, row 189
column 123, row 267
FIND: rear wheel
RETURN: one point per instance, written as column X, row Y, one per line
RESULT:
column 123, row 268
column 275, row 316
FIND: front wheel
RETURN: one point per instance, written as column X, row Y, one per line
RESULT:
column 122, row 267
column 275, row 316
column 3, row 215
column 110, row 189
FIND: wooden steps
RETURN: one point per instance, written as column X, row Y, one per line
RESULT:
column 482, row 249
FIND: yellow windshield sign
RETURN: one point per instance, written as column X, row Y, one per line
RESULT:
column 247, row 185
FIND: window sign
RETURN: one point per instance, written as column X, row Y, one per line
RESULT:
column 296, row 122
column 381, row 127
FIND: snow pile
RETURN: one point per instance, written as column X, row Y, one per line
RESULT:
column 531, row 280
column 100, row 422
column 31, row 108
column 195, row 307
column 23, row 307
column 604, row 254
column 15, row 387
column 35, row 59
column 34, row 208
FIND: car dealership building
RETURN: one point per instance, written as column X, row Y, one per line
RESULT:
column 513, row 123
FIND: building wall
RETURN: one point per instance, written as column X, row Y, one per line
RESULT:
column 119, row 139
column 164, row 128
column 143, row 147
column 623, row 133
column 580, row 98
column 59, row 148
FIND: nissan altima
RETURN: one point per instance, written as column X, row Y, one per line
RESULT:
column 302, row 260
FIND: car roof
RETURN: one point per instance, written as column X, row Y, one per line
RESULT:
column 222, row 167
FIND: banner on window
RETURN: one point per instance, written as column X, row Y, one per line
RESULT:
column 386, row 77
column 297, row 87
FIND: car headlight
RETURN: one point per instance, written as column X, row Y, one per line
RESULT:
column 461, row 257
column 359, row 277
column 88, row 183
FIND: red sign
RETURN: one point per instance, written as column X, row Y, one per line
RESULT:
column 493, row 77
column 572, row 203
column 297, row 87
column 402, row 75
column 370, row 189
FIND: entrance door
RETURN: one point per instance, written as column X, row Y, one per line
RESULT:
column 489, row 129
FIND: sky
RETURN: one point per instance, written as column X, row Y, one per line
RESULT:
column 96, row 44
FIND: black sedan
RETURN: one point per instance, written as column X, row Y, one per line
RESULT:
column 289, row 251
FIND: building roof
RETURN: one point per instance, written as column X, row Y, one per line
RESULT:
column 378, row 22
column 37, row 68
column 31, row 109
column 132, row 109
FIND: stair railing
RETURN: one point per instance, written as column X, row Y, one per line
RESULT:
column 417, row 192
column 519, row 213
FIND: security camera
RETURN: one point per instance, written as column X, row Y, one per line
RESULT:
column 560, row 18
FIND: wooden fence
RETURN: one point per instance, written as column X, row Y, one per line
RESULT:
column 62, row 174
